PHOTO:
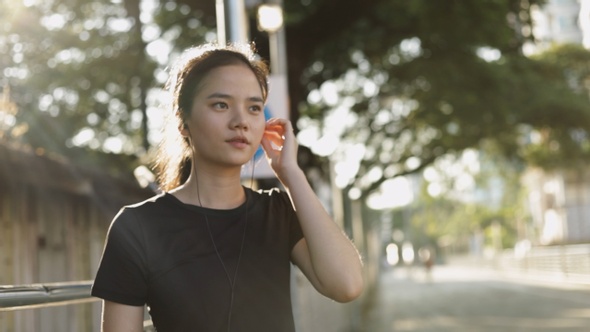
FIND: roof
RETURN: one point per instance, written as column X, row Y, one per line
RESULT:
column 21, row 165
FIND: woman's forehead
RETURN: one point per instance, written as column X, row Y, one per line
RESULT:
column 230, row 80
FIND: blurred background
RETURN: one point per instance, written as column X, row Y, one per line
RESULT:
column 450, row 139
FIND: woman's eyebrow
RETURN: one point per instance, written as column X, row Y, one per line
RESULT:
column 219, row 95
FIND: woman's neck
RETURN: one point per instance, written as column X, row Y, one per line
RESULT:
column 215, row 191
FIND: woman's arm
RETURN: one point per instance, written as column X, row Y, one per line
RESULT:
column 118, row 317
column 325, row 255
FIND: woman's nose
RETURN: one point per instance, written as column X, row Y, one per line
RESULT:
column 239, row 120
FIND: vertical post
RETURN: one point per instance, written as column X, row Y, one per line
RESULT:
column 281, row 49
column 273, row 45
column 220, row 17
column 231, row 21
column 270, row 19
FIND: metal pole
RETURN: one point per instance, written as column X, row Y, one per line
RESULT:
column 279, row 53
column 42, row 295
column 282, row 51
column 232, row 25
column 220, row 17
column 273, row 45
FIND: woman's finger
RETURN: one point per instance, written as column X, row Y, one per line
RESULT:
column 274, row 138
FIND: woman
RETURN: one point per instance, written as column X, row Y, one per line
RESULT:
column 208, row 254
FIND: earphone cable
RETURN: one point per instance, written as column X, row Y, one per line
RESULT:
column 231, row 282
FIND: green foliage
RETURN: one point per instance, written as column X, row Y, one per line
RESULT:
column 75, row 66
column 182, row 25
column 453, row 218
column 410, row 71
column 561, row 112
column 427, row 56
column 78, row 66
column 441, row 218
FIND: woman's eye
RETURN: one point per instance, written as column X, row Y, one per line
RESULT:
column 220, row 105
column 256, row 108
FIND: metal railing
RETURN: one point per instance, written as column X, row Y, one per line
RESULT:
column 44, row 295
column 572, row 261
column 35, row 296
column 568, row 262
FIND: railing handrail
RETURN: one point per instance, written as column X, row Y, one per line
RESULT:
column 36, row 296
column 16, row 297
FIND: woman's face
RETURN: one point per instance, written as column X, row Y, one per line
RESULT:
column 226, row 121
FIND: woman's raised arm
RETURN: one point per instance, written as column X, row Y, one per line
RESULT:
column 326, row 256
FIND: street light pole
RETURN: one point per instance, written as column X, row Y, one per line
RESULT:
column 232, row 25
column 270, row 19
column 281, row 54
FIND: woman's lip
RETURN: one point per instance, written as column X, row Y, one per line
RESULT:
column 238, row 142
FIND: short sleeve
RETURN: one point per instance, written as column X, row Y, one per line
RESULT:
column 122, row 276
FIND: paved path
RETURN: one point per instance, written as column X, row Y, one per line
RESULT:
column 462, row 299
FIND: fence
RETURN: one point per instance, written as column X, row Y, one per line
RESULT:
column 565, row 262
column 569, row 263
column 43, row 295
column 319, row 314
column 37, row 296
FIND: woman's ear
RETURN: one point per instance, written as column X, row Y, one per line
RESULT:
column 182, row 126
column 184, row 130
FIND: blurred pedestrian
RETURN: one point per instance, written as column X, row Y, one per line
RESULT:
column 208, row 254
column 426, row 255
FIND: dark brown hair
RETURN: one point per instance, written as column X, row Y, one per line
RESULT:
column 173, row 160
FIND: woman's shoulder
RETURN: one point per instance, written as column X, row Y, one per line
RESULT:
column 266, row 194
column 149, row 206
column 275, row 197
column 157, row 199
column 144, row 215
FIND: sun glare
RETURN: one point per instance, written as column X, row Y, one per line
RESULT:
column 489, row 54
column 394, row 193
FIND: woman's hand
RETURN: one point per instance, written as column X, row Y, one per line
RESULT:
column 280, row 145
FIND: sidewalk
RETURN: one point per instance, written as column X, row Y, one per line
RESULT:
column 462, row 298
column 532, row 276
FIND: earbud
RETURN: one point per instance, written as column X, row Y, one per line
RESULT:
column 186, row 131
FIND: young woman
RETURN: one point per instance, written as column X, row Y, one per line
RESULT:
column 208, row 254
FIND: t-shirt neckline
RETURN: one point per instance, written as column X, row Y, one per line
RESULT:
column 210, row 211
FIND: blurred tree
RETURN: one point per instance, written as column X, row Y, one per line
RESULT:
column 424, row 79
column 456, row 212
column 78, row 72
column 185, row 23
column 392, row 84
column 561, row 138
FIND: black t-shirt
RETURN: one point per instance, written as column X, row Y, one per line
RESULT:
column 160, row 253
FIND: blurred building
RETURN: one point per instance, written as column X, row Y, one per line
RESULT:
column 560, row 205
column 559, row 201
column 557, row 22
column 54, row 216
